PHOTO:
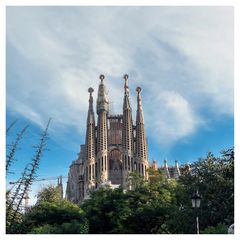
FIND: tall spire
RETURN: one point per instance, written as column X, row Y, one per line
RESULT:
column 90, row 108
column 166, row 170
column 125, row 77
column 90, row 133
column 126, row 102
column 141, row 141
column 90, row 143
column 102, row 100
column 140, row 118
column 176, row 170
column 127, row 134
column 102, row 133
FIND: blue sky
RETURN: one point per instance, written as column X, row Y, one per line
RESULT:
column 182, row 57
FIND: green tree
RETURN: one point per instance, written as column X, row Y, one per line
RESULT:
column 49, row 194
column 219, row 229
column 51, row 214
column 214, row 179
column 106, row 210
column 55, row 217
column 145, row 209
column 72, row 227
column 163, row 205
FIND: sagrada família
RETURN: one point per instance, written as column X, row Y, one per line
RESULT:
column 113, row 148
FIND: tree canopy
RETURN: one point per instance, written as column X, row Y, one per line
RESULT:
column 161, row 205
column 52, row 215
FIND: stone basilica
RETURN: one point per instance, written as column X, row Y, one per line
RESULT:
column 114, row 147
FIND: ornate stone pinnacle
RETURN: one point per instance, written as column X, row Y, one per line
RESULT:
column 138, row 89
column 101, row 77
column 125, row 77
column 90, row 90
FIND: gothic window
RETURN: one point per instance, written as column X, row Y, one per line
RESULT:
column 125, row 162
column 105, row 163
column 135, row 166
column 96, row 170
column 93, row 171
column 102, row 163
column 89, row 172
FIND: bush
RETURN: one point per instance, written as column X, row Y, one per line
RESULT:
column 219, row 229
column 58, row 217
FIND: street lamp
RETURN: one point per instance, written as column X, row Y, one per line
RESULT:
column 196, row 201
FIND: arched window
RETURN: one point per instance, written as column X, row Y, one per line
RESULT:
column 96, row 170
column 93, row 171
column 98, row 166
column 102, row 163
column 125, row 162
column 135, row 166
column 89, row 172
column 105, row 163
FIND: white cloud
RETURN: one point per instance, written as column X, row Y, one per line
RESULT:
column 182, row 58
column 175, row 117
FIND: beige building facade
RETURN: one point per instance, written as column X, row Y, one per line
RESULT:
column 114, row 147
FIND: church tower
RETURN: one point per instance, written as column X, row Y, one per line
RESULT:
column 90, row 146
column 127, row 134
column 102, row 133
column 113, row 148
column 141, row 158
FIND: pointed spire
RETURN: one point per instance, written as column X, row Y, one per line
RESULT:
column 101, row 78
column 176, row 164
column 126, row 84
column 141, row 140
column 166, row 171
column 176, row 170
column 140, row 118
column 126, row 101
column 90, row 118
column 90, row 90
column 102, row 100
column 90, row 140
column 139, row 98
column 127, row 133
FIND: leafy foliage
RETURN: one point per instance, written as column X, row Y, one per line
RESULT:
column 49, row 194
column 164, row 206
column 71, row 227
column 214, row 178
column 160, row 205
column 55, row 217
column 219, row 229
column 141, row 210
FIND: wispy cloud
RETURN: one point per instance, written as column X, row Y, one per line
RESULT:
column 181, row 56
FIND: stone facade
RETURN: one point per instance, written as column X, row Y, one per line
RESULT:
column 114, row 147
column 171, row 172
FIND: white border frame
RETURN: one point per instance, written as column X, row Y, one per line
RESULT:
column 5, row 3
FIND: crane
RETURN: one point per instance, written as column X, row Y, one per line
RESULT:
column 26, row 198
